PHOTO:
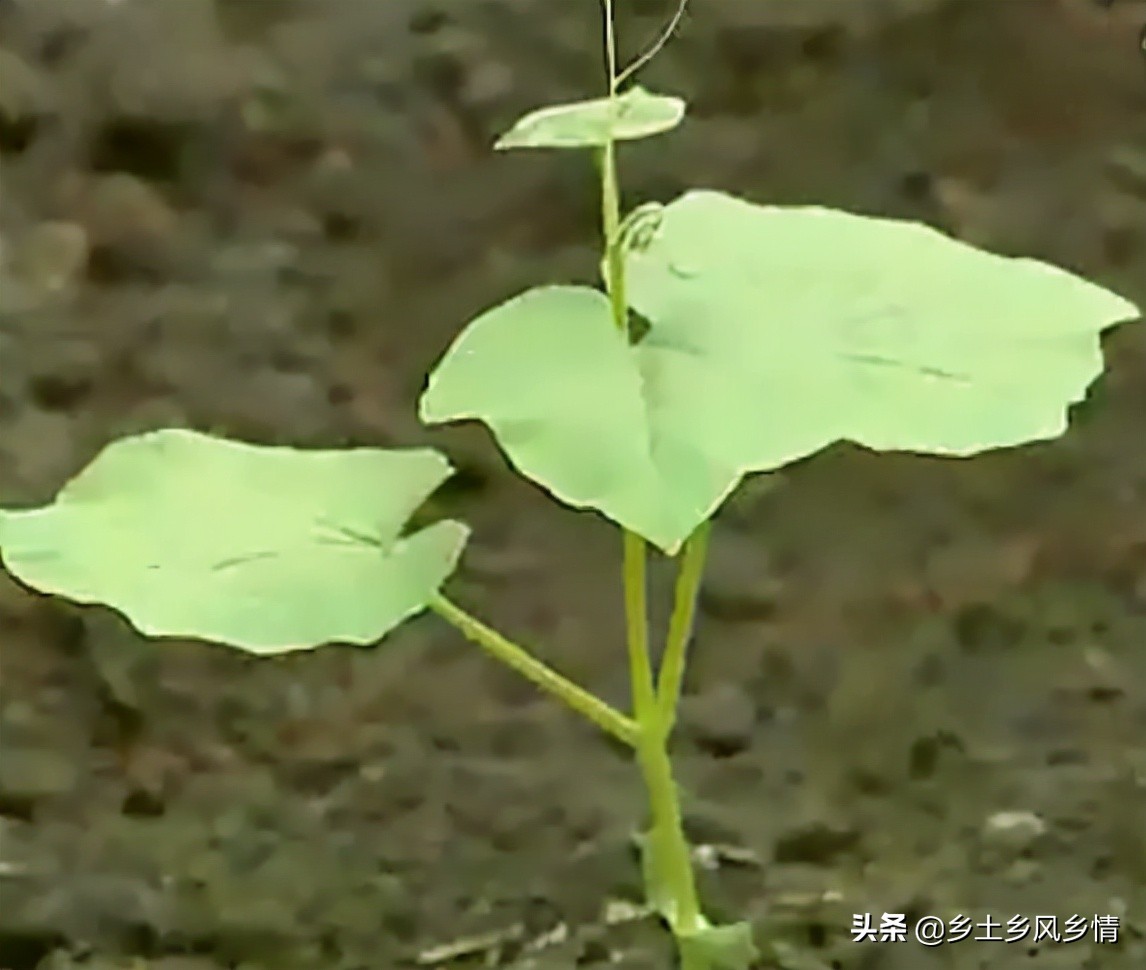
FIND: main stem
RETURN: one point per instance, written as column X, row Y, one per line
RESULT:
column 670, row 880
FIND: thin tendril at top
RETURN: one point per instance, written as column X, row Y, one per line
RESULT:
column 657, row 46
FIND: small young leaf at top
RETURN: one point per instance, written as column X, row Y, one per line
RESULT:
column 586, row 124
column 267, row 549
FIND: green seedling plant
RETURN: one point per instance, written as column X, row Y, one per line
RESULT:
column 768, row 333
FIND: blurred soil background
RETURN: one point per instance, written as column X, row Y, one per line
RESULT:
column 919, row 686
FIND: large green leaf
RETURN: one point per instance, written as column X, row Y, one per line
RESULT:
column 564, row 394
column 773, row 333
column 588, row 124
column 810, row 325
column 268, row 549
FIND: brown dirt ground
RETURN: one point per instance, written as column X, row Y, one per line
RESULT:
column 268, row 217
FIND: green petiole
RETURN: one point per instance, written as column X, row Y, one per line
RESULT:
column 610, row 720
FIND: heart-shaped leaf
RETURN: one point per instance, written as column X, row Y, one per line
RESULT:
column 267, row 549
column 565, row 395
column 587, row 124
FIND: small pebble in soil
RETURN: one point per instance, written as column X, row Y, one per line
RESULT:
column 129, row 223
column 740, row 583
column 32, row 775
column 24, row 102
column 720, row 721
column 983, row 628
column 50, row 258
column 814, row 843
column 1014, row 832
